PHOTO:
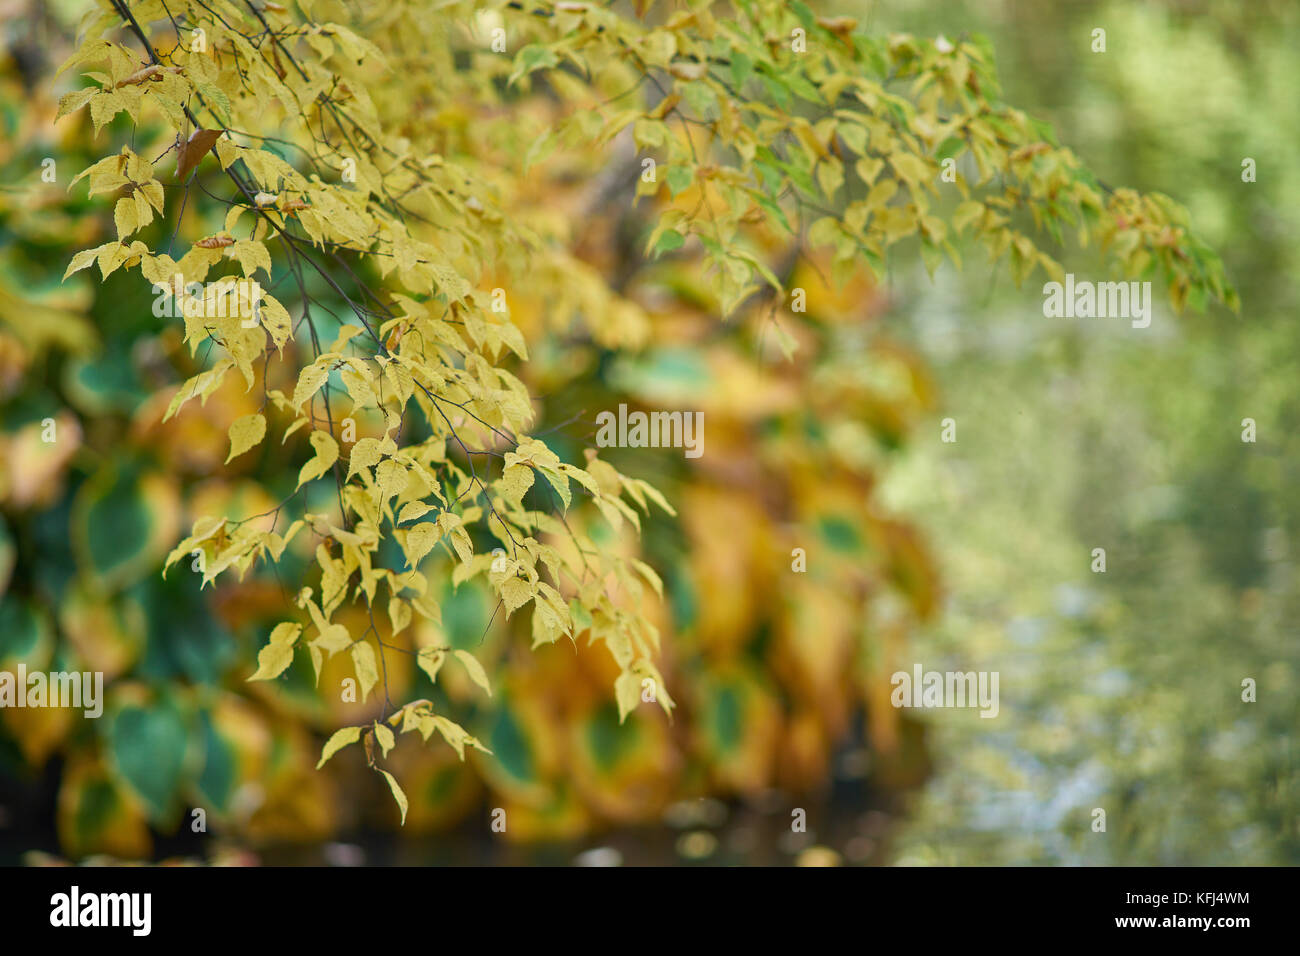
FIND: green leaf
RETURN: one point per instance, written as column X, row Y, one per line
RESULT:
column 679, row 178
column 742, row 67
column 147, row 747
column 950, row 147
column 668, row 240
column 530, row 58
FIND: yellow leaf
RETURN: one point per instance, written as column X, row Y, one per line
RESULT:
column 340, row 739
column 363, row 659
column 251, row 256
column 385, row 737
column 309, row 383
column 654, row 495
column 627, row 689
column 419, row 541
column 227, row 153
column 456, row 736
column 475, row 669
column 246, row 433
column 124, row 217
column 881, row 193
column 413, row 510
column 650, row 575
column 399, row 613
column 366, row 453
column 275, row 318
column 104, row 107
column 430, row 661
column 333, row 638
column 688, row 70
column 272, row 660
column 71, row 102
column 451, row 526
column 327, row 452
column 912, row 168
column 286, row 633
column 82, row 260
column 359, row 381
column 515, row 481
column 398, row 795
column 392, row 477
column 559, row 482
column 515, row 592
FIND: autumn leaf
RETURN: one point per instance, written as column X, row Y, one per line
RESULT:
column 515, row 592
column 367, row 669
column 436, row 311
column 246, row 433
column 272, row 660
column 475, row 670
column 327, row 452
column 191, row 152
column 215, row 242
column 398, row 795
column 338, row 740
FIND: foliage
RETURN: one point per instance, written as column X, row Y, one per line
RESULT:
column 389, row 165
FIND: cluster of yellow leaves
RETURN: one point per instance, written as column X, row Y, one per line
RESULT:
column 747, row 131
column 785, row 118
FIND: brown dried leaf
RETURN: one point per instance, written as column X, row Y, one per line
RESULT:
column 139, row 76
column 839, row 25
column 192, row 151
column 215, row 242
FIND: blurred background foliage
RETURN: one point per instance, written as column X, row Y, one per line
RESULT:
column 1122, row 690
column 1119, row 691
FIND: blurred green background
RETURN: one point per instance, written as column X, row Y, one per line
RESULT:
column 1122, row 690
